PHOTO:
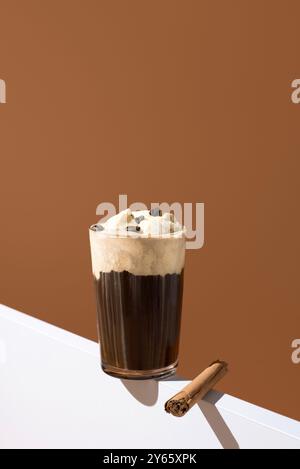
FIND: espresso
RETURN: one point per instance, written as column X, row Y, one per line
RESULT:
column 139, row 319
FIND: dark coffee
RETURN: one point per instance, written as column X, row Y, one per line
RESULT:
column 139, row 321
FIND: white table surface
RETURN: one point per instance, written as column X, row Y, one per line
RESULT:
column 53, row 394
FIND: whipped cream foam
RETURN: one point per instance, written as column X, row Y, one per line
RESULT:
column 141, row 242
column 143, row 223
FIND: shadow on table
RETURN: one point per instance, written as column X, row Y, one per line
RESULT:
column 216, row 421
column 146, row 392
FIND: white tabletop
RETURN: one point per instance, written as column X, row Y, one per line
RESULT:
column 53, row 394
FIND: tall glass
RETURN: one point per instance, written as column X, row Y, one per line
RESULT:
column 139, row 287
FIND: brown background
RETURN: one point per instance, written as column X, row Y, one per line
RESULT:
column 164, row 101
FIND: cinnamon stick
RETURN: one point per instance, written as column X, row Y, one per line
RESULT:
column 183, row 401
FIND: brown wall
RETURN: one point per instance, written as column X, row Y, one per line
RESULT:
column 194, row 96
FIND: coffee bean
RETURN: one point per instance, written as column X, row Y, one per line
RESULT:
column 97, row 227
column 133, row 228
column 155, row 212
column 139, row 219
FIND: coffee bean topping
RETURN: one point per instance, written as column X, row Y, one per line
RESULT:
column 133, row 228
column 139, row 219
column 97, row 227
column 155, row 212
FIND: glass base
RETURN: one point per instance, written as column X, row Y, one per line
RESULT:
column 121, row 373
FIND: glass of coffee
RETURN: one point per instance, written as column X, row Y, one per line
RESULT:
column 138, row 261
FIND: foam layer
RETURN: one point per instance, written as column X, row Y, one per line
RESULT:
column 157, row 249
column 144, row 222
